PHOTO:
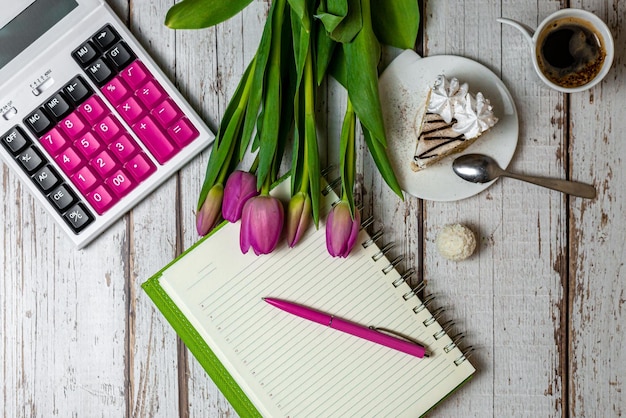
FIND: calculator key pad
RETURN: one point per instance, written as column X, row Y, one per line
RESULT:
column 106, row 142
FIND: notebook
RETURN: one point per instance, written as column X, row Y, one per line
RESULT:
column 269, row 363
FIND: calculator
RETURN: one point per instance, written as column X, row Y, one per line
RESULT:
column 88, row 121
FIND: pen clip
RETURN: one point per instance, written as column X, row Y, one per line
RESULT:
column 399, row 335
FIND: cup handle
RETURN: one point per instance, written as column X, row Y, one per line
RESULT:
column 526, row 30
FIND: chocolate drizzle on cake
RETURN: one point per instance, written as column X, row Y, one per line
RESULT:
column 451, row 121
column 436, row 137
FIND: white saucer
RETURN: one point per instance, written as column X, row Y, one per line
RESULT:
column 403, row 87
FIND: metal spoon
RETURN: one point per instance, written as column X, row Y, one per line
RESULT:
column 478, row 168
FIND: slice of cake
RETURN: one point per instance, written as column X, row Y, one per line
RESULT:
column 454, row 119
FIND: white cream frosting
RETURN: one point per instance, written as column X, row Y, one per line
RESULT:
column 452, row 100
column 444, row 97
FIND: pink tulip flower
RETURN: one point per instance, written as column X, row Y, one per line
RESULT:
column 240, row 187
column 261, row 224
column 342, row 230
column 298, row 217
column 209, row 213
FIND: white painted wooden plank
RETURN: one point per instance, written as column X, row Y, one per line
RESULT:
column 63, row 314
column 44, row 329
column 597, row 236
column 506, row 297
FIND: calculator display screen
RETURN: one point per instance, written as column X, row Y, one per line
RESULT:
column 30, row 24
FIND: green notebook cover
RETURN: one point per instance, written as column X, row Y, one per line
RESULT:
column 198, row 347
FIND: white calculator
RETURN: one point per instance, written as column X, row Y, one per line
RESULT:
column 88, row 121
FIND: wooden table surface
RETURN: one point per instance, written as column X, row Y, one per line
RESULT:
column 541, row 302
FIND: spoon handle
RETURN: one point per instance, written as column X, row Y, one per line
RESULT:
column 573, row 188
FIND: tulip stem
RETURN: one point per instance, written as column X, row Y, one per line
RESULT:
column 348, row 168
column 309, row 111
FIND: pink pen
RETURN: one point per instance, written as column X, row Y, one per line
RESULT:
column 367, row 333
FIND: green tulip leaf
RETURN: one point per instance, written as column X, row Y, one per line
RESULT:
column 256, row 95
column 300, row 9
column 325, row 48
column 338, row 68
column 396, row 22
column 197, row 14
column 331, row 13
column 301, row 41
column 362, row 57
column 268, row 136
column 341, row 18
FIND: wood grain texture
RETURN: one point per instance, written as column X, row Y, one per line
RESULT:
column 541, row 301
column 597, row 360
column 507, row 296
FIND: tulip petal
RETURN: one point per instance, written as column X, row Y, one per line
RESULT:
column 261, row 224
column 298, row 217
column 240, row 187
column 209, row 212
column 341, row 230
column 244, row 233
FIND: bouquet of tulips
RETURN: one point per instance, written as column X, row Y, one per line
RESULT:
column 274, row 104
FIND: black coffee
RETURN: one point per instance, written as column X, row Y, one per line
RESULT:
column 570, row 53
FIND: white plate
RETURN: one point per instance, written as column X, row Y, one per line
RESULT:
column 403, row 87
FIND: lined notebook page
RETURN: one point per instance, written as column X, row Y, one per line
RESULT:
column 291, row 367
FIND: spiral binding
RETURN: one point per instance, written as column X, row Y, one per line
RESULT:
column 447, row 326
column 331, row 187
column 373, row 238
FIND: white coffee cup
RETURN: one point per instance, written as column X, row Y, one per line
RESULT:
column 583, row 22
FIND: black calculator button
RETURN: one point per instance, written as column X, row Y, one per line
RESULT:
column 30, row 159
column 99, row 71
column 120, row 56
column 46, row 178
column 78, row 217
column 105, row 37
column 58, row 106
column 14, row 140
column 85, row 53
column 77, row 90
column 62, row 197
column 38, row 122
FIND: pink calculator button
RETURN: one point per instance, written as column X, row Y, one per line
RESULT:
column 88, row 144
column 123, row 147
column 100, row 199
column 93, row 109
column 69, row 160
column 73, row 126
column 53, row 141
column 150, row 93
column 130, row 109
column 167, row 112
column 140, row 167
column 108, row 128
column 116, row 90
column 183, row 132
column 103, row 163
column 155, row 139
column 120, row 183
column 84, row 179
column 135, row 74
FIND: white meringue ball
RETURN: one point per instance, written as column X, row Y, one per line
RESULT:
column 456, row 242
